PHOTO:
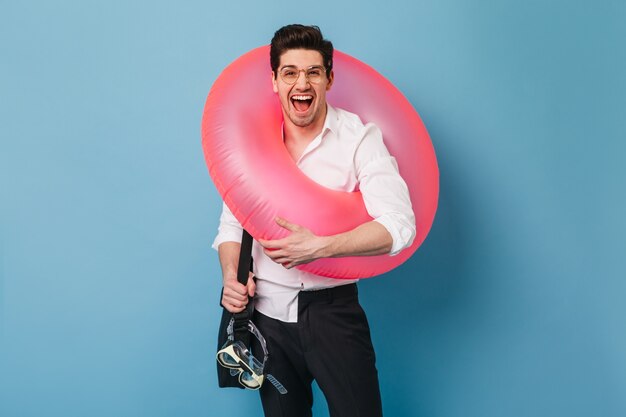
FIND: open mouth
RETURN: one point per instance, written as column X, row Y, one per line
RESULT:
column 301, row 102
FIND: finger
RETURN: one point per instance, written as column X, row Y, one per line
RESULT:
column 232, row 302
column 279, row 257
column 293, row 263
column 231, row 308
column 286, row 225
column 240, row 294
column 274, row 254
column 235, row 302
column 236, row 295
column 271, row 244
column 283, row 261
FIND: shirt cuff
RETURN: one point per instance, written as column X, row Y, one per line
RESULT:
column 226, row 237
column 229, row 229
column 401, row 229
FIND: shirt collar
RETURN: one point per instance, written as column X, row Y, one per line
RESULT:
column 331, row 122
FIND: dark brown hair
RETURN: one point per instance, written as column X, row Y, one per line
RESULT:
column 300, row 37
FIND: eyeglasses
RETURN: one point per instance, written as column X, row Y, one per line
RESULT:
column 237, row 357
column 314, row 74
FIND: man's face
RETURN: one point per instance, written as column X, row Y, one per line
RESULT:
column 303, row 103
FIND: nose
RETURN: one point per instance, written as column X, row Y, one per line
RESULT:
column 302, row 81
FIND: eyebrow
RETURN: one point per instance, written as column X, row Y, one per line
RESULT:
column 293, row 66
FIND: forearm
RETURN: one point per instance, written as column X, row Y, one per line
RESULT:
column 368, row 239
column 302, row 246
column 229, row 258
column 234, row 295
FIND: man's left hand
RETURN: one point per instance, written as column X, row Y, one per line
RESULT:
column 300, row 247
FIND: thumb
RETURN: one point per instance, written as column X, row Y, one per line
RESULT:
column 251, row 285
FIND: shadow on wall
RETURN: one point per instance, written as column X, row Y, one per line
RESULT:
column 413, row 309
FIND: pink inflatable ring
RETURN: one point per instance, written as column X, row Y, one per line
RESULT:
column 258, row 180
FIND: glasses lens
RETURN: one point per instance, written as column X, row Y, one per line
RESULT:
column 314, row 75
column 289, row 75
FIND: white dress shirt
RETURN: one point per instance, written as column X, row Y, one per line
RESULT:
column 345, row 156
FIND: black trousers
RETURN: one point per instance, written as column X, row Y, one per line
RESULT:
column 331, row 344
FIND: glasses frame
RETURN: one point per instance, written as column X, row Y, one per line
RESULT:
column 306, row 74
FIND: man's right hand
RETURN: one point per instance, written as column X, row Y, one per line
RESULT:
column 235, row 296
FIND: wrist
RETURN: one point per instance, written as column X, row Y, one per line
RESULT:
column 327, row 247
column 229, row 273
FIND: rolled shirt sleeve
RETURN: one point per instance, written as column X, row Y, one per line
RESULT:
column 229, row 230
column 385, row 194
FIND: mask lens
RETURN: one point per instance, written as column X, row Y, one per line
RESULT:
column 248, row 380
column 227, row 360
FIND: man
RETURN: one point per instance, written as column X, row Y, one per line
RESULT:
column 314, row 326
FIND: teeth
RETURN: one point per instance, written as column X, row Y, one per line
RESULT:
column 302, row 97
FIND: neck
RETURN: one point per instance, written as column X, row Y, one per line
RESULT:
column 303, row 134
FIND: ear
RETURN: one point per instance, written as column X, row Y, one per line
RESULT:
column 331, row 78
column 274, row 82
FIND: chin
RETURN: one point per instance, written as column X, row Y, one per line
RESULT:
column 301, row 121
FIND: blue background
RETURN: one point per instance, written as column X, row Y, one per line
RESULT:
column 514, row 306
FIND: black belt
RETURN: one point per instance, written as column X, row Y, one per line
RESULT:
column 328, row 294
